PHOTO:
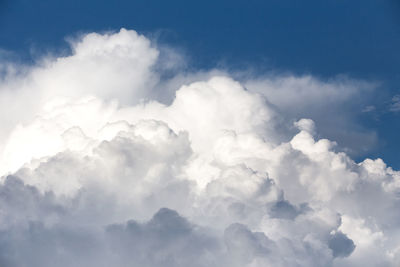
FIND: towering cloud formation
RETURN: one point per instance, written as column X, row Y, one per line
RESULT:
column 96, row 172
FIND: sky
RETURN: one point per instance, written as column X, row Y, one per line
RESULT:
column 210, row 133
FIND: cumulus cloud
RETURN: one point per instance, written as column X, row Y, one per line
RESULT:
column 334, row 104
column 98, row 171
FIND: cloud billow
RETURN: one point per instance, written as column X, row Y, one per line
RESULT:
column 98, row 171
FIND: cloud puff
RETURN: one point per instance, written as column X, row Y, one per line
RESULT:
column 97, row 172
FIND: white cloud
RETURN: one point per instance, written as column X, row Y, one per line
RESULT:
column 245, row 183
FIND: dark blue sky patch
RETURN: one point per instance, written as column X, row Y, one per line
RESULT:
column 341, row 245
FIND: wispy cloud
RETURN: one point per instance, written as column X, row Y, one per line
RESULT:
column 395, row 104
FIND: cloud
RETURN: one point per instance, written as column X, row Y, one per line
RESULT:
column 309, row 97
column 395, row 105
column 97, row 170
column 334, row 104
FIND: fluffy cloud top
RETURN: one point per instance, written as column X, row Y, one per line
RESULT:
column 97, row 172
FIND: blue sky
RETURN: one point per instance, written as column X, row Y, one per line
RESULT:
column 359, row 39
